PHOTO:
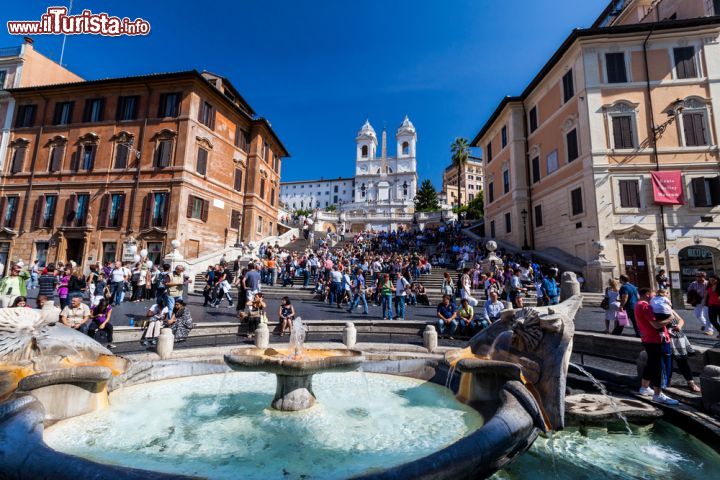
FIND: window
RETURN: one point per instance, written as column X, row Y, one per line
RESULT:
column 63, row 113
column 198, row 208
column 276, row 162
column 25, row 116
column 201, row 166
column 163, row 153
column 533, row 119
column 503, row 137
column 492, row 229
column 551, row 162
column 535, row 162
column 235, row 217
column 57, row 152
column 538, row 216
column 76, row 209
column 506, row 181
column 364, row 151
column 272, row 197
column 694, row 130
column 491, row 192
column 8, row 210
column 241, row 139
column 109, row 252
column 262, row 188
column 615, row 67
column 238, row 180
column 122, row 154
column 156, row 212
column 206, row 116
column 87, row 156
column 3, row 75
column 406, row 148
column 41, row 252
column 706, row 191
column 127, row 108
column 44, row 215
column 623, row 137
column 716, row 7
column 489, row 152
column 572, row 145
column 508, row 224
column 259, row 224
column 576, row 201
column 363, row 190
column 685, row 62
column 18, row 158
column 169, row 105
column 629, row 193
column 94, row 110
column 568, row 86
column 265, row 150
column 111, row 210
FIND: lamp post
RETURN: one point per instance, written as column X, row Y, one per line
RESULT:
column 524, row 214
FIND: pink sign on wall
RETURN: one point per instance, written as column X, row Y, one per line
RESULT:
column 668, row 187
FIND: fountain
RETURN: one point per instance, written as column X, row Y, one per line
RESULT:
column 294, row 368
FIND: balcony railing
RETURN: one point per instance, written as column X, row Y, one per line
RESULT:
column 10, row 51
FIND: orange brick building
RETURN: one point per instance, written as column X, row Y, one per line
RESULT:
column 94, row 167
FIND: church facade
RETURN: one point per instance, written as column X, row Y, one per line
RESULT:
column 384, row 186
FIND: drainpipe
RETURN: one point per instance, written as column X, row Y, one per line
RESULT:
column 653, row 137
column 26, row 202
column 528, row 180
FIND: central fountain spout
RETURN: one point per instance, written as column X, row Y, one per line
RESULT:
column 294, row 367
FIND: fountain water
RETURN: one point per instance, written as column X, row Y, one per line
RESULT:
column 294, row 367
column 603, row 391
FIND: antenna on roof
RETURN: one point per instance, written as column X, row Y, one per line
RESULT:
column 62, row 49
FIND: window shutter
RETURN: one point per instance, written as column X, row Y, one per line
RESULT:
column 37, row 214
column 572, row 145
column 75, row 160
column 18, row 160
column 238, row 180
column 104, row 211
column 535, row 169
column 190, row 205
column 699, row 129
column 71, row 205
column 714, row 184
column 147, row 211
column 698, row 188
column 87, row 111
column 161, row 105
column 205, row 209
column 121, row 155
column 93, row 151
column 635, row 193
column 164, row 149
column 202, row 161
column 2, row 212
column 56, row 159
column 624, row 194
column 626, row 131
column 617, row 132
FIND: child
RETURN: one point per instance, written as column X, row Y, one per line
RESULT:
column 157, row 315
column 661, row 305
column 101, row 290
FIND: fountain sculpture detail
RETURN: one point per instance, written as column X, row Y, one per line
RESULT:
column 294, row 367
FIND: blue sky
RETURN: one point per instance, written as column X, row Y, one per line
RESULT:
column 317, row 69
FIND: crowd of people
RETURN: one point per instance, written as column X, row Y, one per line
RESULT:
column 85, row 301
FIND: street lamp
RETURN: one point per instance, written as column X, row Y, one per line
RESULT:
column 524, row 214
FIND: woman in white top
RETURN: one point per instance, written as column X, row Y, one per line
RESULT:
column 612, row 291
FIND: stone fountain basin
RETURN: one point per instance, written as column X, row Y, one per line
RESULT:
column 280, row 361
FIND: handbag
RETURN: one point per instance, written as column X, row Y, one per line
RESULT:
column 605, row 304
column 622, row 319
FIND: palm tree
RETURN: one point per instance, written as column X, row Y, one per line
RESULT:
column 460, row 151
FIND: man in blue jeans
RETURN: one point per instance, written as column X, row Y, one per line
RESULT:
column 628, row 298
column 359, row 292
column 447, row 317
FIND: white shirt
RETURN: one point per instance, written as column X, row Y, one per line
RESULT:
column 117, row 275
column 661, row 305
column 401, row 287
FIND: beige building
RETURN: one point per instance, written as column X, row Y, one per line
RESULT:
column 610, row 155
column 471, row 183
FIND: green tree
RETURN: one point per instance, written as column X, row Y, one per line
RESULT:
column 460, row 150
column 474, row 210
column 426, row 199
column 331, row 208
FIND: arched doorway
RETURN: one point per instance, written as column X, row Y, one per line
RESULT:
column 697, row 258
